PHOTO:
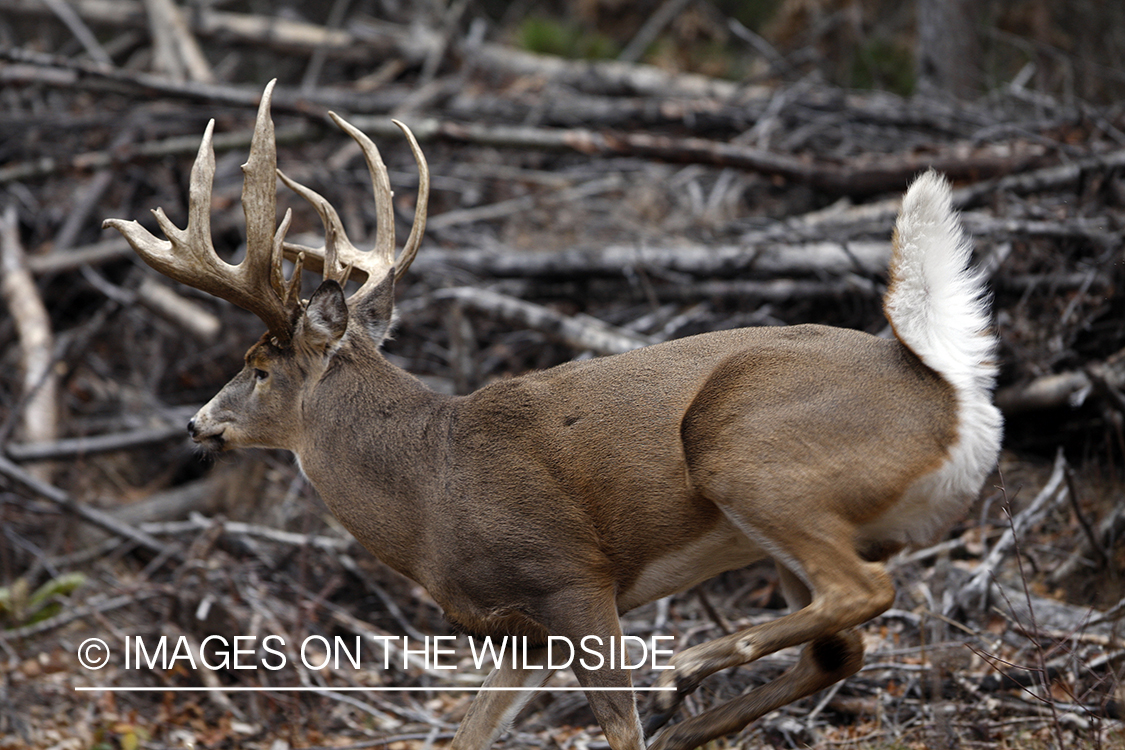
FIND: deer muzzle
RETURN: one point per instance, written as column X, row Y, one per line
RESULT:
column 207, row 436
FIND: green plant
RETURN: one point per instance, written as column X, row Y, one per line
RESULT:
column 20, row 606
column 883, row 64
column 549, row 36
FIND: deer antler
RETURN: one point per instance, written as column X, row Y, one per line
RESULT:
column 257, row 283
column 339, row 254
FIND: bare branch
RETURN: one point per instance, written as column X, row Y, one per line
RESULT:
column 40, row 417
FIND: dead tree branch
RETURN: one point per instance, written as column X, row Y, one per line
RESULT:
column 65, row 501
column 40, row 398
column 579, row 331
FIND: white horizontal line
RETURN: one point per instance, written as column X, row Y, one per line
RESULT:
column 307, row 689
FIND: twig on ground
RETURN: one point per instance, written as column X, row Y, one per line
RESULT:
column 82, row 611
column 178, row 146
column 178, row 309
column 177, row 53
column 22, row 478
column 197, row 523
column 1065, row 388
column 860, row 176
column 974, row 594
column 651, row 29
column 817, row 259
column 81, row 31
column 72, row 259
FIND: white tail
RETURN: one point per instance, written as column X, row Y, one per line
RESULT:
column 937, row 305
column 550, row 503
column 939, row 308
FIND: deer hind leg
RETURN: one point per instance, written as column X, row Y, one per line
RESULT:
column 824, row 661
column 834, row 587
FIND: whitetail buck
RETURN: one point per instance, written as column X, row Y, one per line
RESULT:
column 551, row 503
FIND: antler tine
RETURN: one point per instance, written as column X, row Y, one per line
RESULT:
column 188, row 256
column 339, row 254
column 421, row 205
column 290, row 291
column 260, row 272
column 192, row 244
column 384, row 251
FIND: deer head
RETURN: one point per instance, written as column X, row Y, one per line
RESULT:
column 256, row 408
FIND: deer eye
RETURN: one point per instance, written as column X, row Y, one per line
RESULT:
column 260, row 375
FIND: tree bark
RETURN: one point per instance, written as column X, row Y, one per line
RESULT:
column 948, row 52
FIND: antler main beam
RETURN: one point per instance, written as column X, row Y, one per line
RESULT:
column 257, row 283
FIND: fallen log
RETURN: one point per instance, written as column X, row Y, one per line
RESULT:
column 723, row 261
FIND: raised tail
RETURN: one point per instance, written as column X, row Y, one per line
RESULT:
column 939, row 309
column 937, row 305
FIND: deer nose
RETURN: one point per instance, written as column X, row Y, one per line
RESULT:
column 191, row 427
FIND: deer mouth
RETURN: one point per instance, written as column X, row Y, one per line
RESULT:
column 212, row 443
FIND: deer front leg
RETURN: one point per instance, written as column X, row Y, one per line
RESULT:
column 580, row 615
column 493, row 711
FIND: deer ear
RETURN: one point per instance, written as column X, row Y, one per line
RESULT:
column 376, row 310
column 325, row 318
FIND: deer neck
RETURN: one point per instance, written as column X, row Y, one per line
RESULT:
column 374, row 450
